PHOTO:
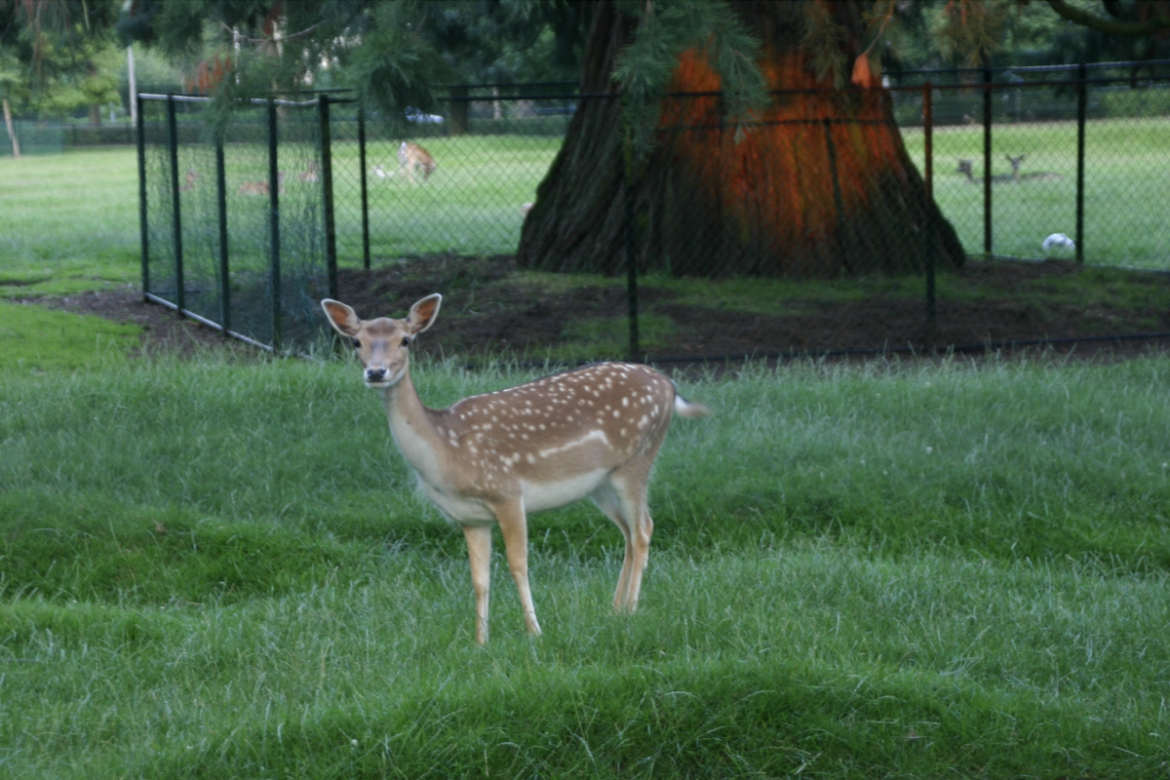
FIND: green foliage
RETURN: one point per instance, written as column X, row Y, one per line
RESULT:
column 665, row 30
column 58, row 56
column 1148, row 102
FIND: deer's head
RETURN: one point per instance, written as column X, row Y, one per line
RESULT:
column 383, row 344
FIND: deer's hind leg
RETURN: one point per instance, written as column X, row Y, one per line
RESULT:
column 608, row 502
column 623, row 498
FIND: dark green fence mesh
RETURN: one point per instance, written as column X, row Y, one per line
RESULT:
column 1028, row 165
column 235, row 226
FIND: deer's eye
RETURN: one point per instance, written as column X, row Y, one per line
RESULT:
column 357, row 344
column 406, row 342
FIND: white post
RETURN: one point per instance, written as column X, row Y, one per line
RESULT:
column 11, row 129
column 133, row 86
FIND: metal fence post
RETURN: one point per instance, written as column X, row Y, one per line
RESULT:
column 631, row 243
column 1082, row 108
column 327, row 196
column 928, row 141
column 176, row 210
column 838, row 199
column 274, row 225
column 225, row 288
column 143, row 216
column 987, row 158
column 361, row 123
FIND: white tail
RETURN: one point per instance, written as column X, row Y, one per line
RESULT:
column 261, row 187
column 589, row 433
column 412, row 157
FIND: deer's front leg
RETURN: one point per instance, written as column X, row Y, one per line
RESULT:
column 514, row 526
column 479, row 550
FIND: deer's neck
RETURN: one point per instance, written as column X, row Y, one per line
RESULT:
column 413, row 429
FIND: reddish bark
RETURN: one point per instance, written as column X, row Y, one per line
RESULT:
column 819, row 186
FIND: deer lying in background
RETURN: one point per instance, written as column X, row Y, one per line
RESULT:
column 1038, row 176
column 412, row 158
column 589, row 433
column 312, row 173
column 192, row 175
column 966, row 167
column 261, row 187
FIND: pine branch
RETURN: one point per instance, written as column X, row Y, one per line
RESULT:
column 1156, row 21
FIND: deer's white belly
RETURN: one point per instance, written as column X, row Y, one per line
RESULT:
column 541, row 496
column 458, row 509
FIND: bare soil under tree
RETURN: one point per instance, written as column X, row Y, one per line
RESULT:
column 489, row 308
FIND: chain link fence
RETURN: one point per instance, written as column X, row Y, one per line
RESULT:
column 234, row 226
column 946, row 209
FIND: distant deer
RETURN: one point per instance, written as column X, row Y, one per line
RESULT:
column 966, row 167
column 261, row 187
column 1038, row 176
column 192, row 175
column 312, row 174
column 495, row 458
column 412, row 158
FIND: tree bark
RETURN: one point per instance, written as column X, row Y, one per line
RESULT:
column 820, row 186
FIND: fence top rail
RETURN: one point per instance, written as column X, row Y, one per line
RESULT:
column 253, row 101
column 1032, row 68
column 610, row 96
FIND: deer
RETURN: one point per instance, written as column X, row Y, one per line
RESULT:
column 412, row 158
column 495, row 458
column 1036, row 176
column 192, row 175
column 966, row 167
column 261, row 187
column 311, row 174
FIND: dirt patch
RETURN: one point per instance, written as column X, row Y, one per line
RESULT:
column 489, row 308
column 162, row 330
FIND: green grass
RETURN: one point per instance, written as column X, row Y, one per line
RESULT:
column 68, row 223
column 471, row 205
column 34, row 339
column 1125, row 161
column 214, row 569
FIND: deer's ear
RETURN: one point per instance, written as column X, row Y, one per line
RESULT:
column 341, row 317
column 423, row 313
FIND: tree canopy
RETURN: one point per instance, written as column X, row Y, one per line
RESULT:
column 396, row 53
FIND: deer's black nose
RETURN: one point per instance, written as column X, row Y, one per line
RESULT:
column 375, row 374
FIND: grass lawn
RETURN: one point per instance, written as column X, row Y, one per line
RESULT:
column 215, row 568
column 69, row 222
column 1126, row 162
column 35, row 339
column 222, row 570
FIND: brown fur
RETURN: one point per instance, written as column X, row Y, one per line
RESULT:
column 589, row 433
column 412, row 158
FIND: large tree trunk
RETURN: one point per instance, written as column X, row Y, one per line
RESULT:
column 820, row 186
